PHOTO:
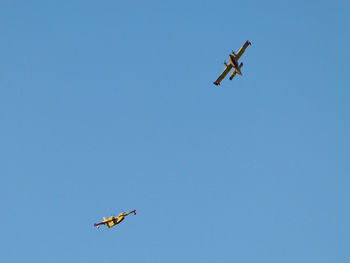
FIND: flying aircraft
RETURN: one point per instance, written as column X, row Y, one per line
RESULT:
column 112, row 221
column 233, row 64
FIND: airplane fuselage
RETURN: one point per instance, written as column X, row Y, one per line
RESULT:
column 234, row 62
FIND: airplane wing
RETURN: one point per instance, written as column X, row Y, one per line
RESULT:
column 223, row 74
column 104, row 222
column 128, row 213
column 242, row 49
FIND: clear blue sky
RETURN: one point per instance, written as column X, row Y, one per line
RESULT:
column 109, row 105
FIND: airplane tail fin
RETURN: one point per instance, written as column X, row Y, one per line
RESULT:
column 235, row 71
column 238, row 70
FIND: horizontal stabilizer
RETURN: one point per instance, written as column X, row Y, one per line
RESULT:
column 235, row 71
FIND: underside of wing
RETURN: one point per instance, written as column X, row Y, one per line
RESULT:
column 242, row 49
column 223, row 74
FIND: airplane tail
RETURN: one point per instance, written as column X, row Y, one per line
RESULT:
column 239, row 69
column 235, row 71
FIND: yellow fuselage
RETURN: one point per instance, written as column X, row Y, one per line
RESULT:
column 234, row 63
column 112, row 221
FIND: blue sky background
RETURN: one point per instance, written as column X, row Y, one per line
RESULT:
column 109, row 105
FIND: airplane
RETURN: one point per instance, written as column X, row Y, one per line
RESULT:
column 233, row 64
column 112, row 221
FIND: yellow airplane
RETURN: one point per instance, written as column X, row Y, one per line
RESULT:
column 233, row 64
column 112, row 221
